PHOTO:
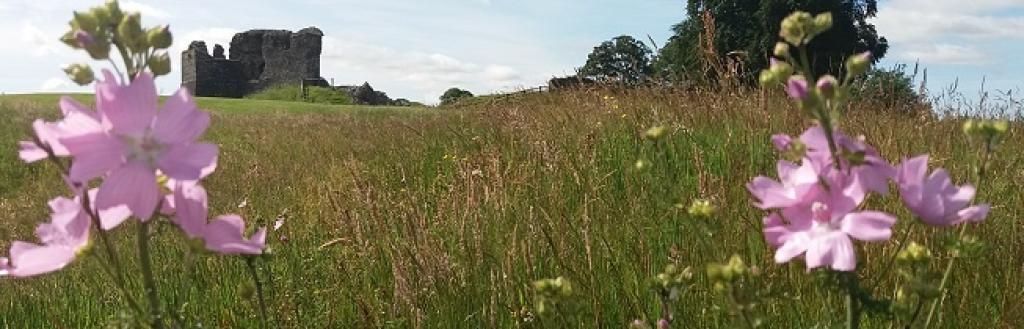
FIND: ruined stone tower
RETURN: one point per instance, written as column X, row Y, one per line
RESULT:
column 257, row 59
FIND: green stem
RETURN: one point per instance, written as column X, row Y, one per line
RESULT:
column 249, row 261
column 147, row 276
column 982, row 173
column 853, row 310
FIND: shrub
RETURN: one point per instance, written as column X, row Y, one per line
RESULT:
column 453, row 95
column 891, row 89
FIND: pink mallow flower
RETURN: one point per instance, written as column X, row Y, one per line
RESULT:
column 934, row 198
column 822, row 228
column 797, row 183
column 78, row 120
column 224, row 234
column 136, row 140
column 61, row 239
column 870, row 173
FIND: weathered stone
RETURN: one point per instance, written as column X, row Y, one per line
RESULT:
column 218, row 51
column 258, row 59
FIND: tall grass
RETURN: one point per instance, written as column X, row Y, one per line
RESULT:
column 293, row 93
column 442, row 219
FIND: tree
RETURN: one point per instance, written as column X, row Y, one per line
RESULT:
column 752, row 26
column 453, row 95
column 622, row 59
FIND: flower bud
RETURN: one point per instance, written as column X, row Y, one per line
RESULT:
column 84, row 39
column 970, row 127
column 701, row 208
column 781, row 50
column 796, row 87
column 655, row 133
column 858, row 64
column 81, row 74
column 1000, row 127
column 160, row 64
column 822, row 22
column 827, row 86
column 663, row 324
column 114, row 11
column 639, row 324
column 85, row 21
column 99, row 49
column 102, row 16
column 160, row 37
column 641, row 165
column 794, row 27
column 767, row 78
column 129, row 33
column 781, row 69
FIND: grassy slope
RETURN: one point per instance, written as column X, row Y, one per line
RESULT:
column 438, row 219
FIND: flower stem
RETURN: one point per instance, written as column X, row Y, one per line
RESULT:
column 147, row 276
column 251, row 263
column 853, row 310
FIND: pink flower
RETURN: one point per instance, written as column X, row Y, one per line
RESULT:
column 61, row 239
column 934, row 198
column 821, row 229
column 78, row 120
column 84, row 39
column 869, row 170
column 782, row 142
column 796, row 87
column 224, row 234
column 136, row 140
column 796, row 185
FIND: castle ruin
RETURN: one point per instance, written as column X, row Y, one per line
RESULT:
column 257, row 59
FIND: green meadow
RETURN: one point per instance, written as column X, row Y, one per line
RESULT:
column 443, row 217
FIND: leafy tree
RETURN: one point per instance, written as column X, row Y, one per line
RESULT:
column 453, row 95
column 622, row 59
column 752, row 26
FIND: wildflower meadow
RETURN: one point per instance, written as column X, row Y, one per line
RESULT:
column 788, row 205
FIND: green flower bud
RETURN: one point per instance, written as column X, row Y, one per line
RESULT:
column 114, row 11
column 781, row 50
column 822, row 22
column 129, row 33
column 70, row 38
column 858, row 64
column 160, row 64
column 736, row 266
column 827, row 86
column 102, row 16
column 714, row 272
column 160, row 37
column 641, row 165
column 85, row 21
column 794, row 27
column 701, row 208
column 655, row 133
column 81, row 74
column 970, row 127
column 99, row 49
column 768, row 79
column 781, row 69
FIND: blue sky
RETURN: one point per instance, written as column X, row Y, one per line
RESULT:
column 416, row 49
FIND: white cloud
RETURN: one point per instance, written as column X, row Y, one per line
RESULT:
column 147, row 11
column 947, row 54
column 927, row 25
column 356, row 60
column 57, row 84
column 40, row 42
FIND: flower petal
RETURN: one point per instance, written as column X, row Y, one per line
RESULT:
column 973, row 214
column 94, row 155
column 29, row 259
column 190, row 202
column 134, row 185
column 30, row 152
column 794, row 245
column 187, row 162
column 180, row 121
column 868, row 225
column 224, row 235
column 127, row 110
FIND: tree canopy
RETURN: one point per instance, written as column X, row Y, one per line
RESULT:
column 621, row 60
column 752, row 27
column 453, row 95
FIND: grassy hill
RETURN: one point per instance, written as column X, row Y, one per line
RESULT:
column 441, row 218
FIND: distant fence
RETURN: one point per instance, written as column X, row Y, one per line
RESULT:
column 538, row 89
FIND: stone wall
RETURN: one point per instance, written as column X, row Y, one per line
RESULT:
column 257, row 59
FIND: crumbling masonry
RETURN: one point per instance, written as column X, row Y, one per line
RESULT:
column 258, row 59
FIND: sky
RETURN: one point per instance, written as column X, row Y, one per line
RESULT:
column 416, row 49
